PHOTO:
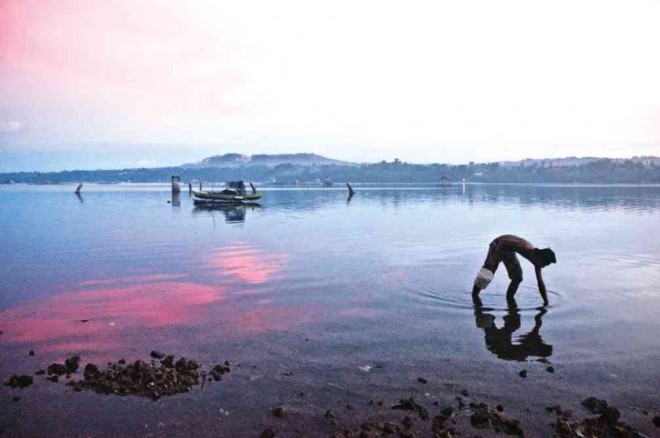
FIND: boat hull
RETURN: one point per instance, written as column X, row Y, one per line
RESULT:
column 222, row 204
column 219, row 196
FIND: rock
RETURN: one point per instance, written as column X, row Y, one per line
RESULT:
column 563, row 427
column 31, row 353
column 153, row 380
column 409, row 404
column 512, row 427
column 499, row 408
column 550, row 369
column 91, row 372
column 40, row 373
column 17, row 398
column 422, row 380
column 556, row 409
column 16, row 381
column 278, row 412
column 56, row 369
column 267, row 433
column 84, row 320
column 407, row 422
column 594, row 405
column 168, row 362
column 218, row 370
column 484, row 417
column 611, row 415
column 523, row 374
column 479, row 419
column 656, row 421
column 157, row 354
column 72, row 364
column 447, row 412
column 465, row 393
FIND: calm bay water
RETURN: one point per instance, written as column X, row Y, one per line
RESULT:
column 340, row 301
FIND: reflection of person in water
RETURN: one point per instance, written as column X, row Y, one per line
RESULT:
column 503, row 250
column 499, row 340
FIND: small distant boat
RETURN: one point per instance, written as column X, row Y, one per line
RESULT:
column 327, row 182
column 235, row 192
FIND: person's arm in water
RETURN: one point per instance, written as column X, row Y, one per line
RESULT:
column 539, row 280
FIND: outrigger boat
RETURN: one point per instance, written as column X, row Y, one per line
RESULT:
column 235, row 192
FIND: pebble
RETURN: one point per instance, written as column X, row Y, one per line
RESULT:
column 550, row 369
column 16, row 381
column 523, row 374
column 422, row 380
column 72, row 364
column 56, row 369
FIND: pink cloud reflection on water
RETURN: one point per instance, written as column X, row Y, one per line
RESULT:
column 134, row 314
column 117, row 310
column 247, row 264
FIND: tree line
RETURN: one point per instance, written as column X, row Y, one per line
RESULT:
column 602, row 171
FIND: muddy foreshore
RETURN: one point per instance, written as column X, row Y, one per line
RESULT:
column 426, row 408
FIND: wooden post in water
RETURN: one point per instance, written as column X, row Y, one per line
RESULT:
column 78, row 189
column 175, row 184
column 351, row 192
column 190, row 188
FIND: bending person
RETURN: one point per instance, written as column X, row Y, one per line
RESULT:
column 504, row 249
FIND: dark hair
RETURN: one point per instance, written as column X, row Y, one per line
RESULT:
column 547, row 256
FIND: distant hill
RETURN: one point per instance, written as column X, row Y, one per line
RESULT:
column 578, row 161
column 314, row 169
column 240, row 160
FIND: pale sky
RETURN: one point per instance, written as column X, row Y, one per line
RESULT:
column 423, row 81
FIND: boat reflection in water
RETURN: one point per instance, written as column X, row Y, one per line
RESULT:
column 499, row 341
column 233, row 212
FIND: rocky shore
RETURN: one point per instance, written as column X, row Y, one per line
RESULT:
column 164, row 375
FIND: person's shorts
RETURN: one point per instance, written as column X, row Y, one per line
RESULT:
column 497, row 254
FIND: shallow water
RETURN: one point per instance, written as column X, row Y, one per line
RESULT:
column 355, row 298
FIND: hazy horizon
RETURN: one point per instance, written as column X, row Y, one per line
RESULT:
column 107, row 84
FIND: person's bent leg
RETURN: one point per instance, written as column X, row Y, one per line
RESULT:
column 513, row 288
column 485, row 275
column 514, row 270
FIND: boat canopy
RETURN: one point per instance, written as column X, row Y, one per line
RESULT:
column 239, row 186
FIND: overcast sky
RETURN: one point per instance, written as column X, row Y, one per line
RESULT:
column 423, row 81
